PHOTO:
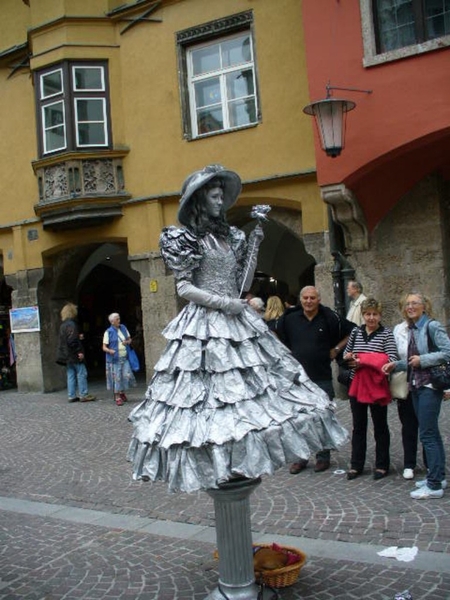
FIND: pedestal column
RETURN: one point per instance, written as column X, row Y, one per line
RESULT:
column 234, row 541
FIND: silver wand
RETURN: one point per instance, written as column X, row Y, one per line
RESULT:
column 258, row 212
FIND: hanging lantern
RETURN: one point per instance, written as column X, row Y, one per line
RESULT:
column 330, row 116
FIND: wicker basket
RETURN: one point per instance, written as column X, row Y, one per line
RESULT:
column 282, row 577
column 288, row 575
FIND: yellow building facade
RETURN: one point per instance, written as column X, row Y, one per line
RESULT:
column 105, row 108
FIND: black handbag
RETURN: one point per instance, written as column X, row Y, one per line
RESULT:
column 344, row 375
column 440, row 374
column 344, row 372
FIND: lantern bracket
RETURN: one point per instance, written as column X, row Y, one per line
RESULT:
column 330, row 87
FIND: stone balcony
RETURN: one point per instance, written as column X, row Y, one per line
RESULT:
column 78, row 190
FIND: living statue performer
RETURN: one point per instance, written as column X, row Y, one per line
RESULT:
column 227, row 399
column 227, row 402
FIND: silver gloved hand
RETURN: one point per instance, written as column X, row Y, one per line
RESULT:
column 188, row 291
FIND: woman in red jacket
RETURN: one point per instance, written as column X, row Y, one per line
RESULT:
column 369, row 347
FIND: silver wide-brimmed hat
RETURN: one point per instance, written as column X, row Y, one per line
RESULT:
column 232, row 187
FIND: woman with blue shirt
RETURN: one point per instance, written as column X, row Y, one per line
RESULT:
column 426, row 399
column 119, row 376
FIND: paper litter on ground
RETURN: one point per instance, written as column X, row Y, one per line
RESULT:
column 402, row 554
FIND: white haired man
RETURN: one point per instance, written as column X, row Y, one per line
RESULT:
column 315, row 334
column 355, row 293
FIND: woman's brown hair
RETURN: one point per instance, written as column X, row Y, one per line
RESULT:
column 370, row 304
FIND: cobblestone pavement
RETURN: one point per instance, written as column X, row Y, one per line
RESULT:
column 73, row 456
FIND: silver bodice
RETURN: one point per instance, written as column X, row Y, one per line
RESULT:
column 218, row 270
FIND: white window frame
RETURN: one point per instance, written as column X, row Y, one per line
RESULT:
column 371, row 58
column 49, row 128
column 203, row 35
column 44, row 97
column 79, row 122
column 69, row 95
column 221, row 73
column 87, row 68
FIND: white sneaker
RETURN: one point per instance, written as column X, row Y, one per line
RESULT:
column 423, row 482
column 425, row 493
column 408, row 473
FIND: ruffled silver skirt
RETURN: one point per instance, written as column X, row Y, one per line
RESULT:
column 223, row 403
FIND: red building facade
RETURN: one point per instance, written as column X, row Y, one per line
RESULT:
column 389, row 188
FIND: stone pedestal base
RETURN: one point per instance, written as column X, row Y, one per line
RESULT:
column 234, row 542
column 249, row 593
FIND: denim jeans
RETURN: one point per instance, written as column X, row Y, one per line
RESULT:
column 427, row 405
column 76, row 379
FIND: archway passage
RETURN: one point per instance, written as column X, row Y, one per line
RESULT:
column 284, row 265
column 106, row 290
column 98, row 278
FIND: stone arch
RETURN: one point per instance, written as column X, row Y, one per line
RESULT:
column 283, row 255
column 98, row 278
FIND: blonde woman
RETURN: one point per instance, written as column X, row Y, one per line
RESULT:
column 274, row 310
column 71, row 355
column 428, row 345
column 405, row 408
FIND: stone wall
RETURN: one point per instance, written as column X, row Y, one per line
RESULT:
column 409, row 251
column 28, row 344
column 317, row 244
column 159, row 303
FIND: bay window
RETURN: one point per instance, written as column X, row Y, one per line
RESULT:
column 73, row 111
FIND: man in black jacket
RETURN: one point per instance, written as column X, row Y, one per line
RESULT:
column 316, row 335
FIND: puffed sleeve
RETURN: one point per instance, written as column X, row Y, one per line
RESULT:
column 238, row 243
column 180, row 250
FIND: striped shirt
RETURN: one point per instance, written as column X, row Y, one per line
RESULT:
column 380, row 340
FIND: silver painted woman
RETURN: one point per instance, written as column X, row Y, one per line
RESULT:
column 227, row 399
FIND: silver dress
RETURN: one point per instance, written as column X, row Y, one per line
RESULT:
column 222, row 402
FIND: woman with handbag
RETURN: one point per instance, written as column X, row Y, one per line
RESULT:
column 119, row 374
column 428, row 346
column 405, row 407
column 369, row 347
